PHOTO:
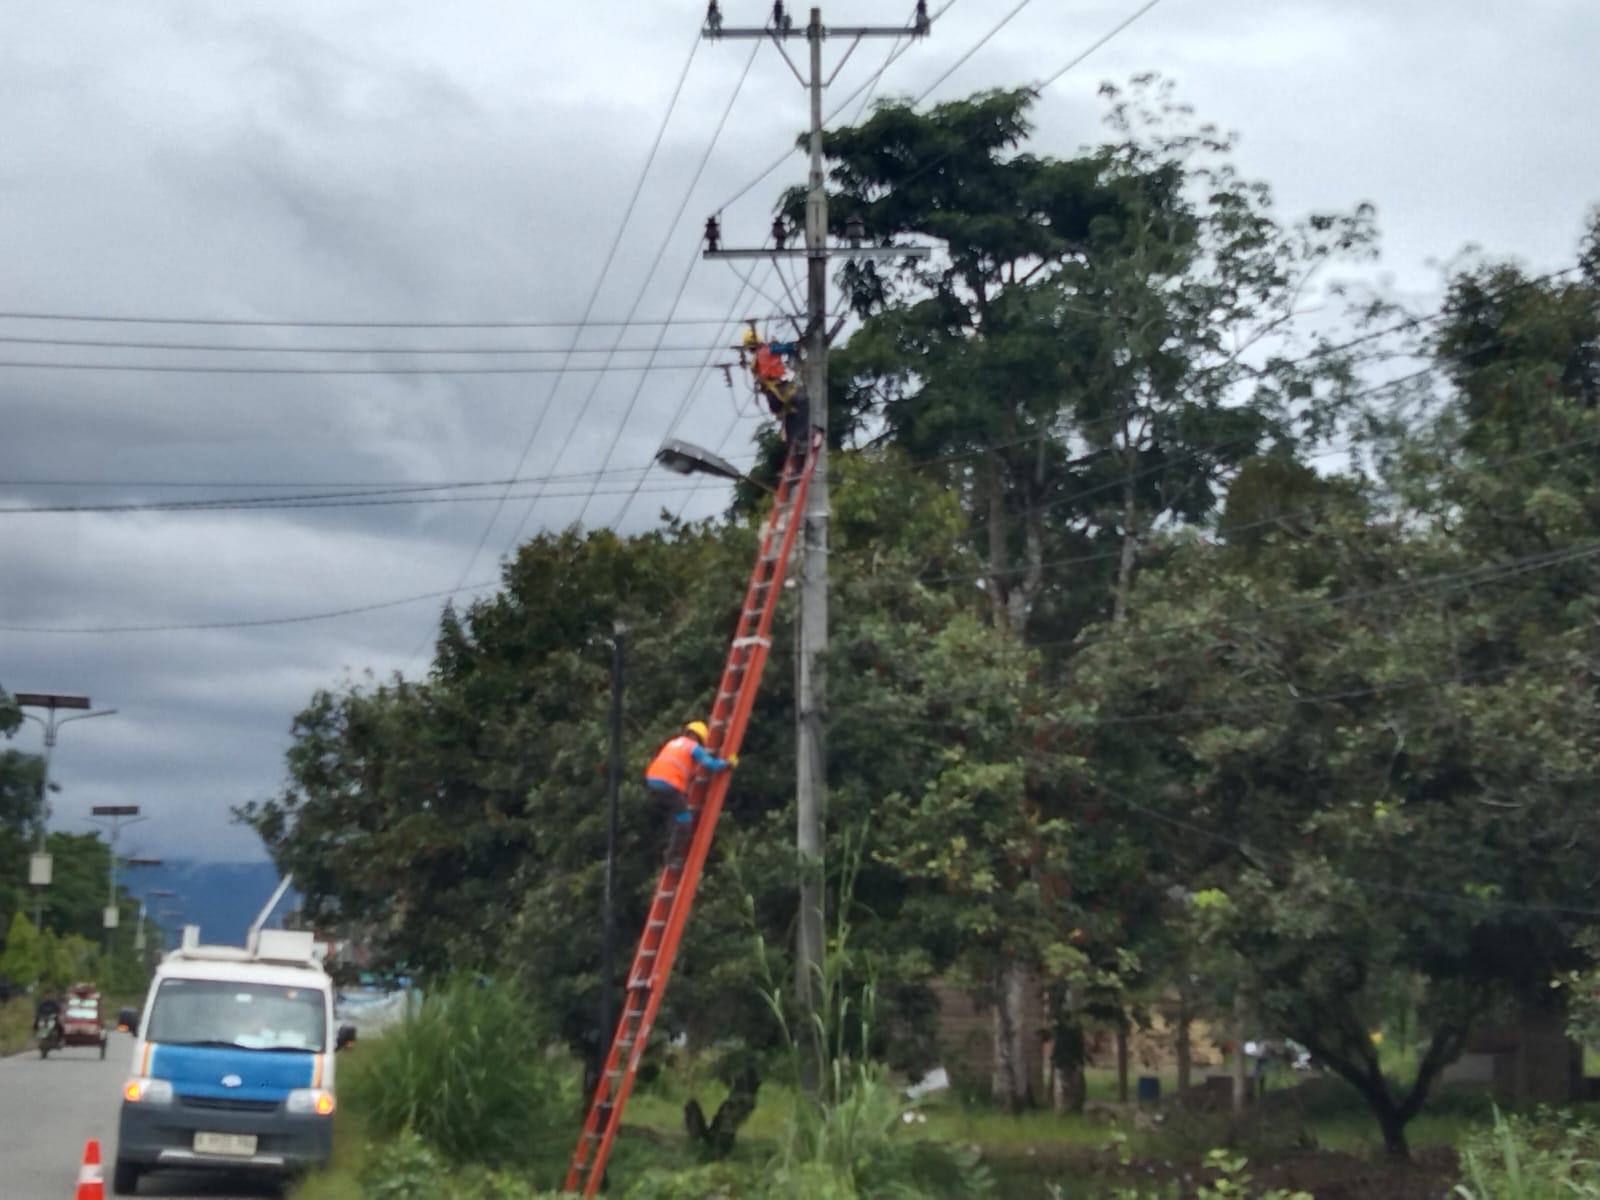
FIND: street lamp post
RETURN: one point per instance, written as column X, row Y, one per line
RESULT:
column 39, row 869
column 115, row 816
column 149, row 894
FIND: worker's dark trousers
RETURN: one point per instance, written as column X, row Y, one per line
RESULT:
column 675, row 806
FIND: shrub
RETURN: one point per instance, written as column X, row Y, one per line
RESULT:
column 1538, row 1158
column 409, row 1169
column 467, row 1073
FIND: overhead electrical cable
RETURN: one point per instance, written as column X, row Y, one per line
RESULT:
column 389, row 498
column 223, row 348
column 683, row 284
column 865, row 86
column 248, row 623
column 971, row 50
column 291, row 323
column 205, row 369
column 688, row 400
column 588, row 311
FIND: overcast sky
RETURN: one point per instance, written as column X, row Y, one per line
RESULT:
column 336, row 160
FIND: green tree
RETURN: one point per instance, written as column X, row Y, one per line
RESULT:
column 1367, row 731
column 1087, row 354
column 461, row 822
column 23, row 960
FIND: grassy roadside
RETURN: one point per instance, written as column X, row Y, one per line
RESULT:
column 1029, row 1154
column 16, row 1025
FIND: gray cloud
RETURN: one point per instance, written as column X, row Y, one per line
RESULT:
column 365, row 161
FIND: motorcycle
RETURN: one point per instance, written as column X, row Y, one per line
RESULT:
column 47, row 1033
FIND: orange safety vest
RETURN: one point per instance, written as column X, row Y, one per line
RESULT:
column 768, row 364
column 674, row 762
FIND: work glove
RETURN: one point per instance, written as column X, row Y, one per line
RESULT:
column 733, row 760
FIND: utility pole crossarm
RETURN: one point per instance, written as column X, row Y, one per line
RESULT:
column 825, row 252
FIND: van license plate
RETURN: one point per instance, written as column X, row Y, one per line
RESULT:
column 240, row 1144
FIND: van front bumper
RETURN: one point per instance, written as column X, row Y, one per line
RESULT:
column 164, row 1136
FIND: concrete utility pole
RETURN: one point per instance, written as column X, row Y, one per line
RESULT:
column 115, row 816
column 811, row 779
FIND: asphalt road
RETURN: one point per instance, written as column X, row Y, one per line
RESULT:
column 50, row 1107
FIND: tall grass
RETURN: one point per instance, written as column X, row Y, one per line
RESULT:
column 468, row 1073
column 850, row 1134
column 1540, row 1158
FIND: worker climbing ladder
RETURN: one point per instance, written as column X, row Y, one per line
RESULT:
column 669, row 910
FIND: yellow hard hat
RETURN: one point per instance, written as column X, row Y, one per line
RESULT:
column 698, row 728
column 750, row 338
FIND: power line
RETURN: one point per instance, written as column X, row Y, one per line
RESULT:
column 393, row 497
column 971, row 50
column 688, row 399
column 683, row 285
column 594, row 297
column 1097, row 44
column 376, row 484
column 298, row 619
column 866, row 86
column 204, row 369
column 287, row 323
column 1035, row 89
column 217, row 347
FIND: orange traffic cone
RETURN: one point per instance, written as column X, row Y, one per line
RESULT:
column 90, row 1185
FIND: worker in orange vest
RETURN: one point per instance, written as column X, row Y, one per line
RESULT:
column 786, row 399
column 668, row 777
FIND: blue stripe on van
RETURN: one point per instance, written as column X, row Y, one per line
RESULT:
column 262, row 1074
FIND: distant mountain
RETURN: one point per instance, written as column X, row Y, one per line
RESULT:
column 222, row 898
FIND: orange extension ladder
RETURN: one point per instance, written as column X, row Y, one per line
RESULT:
column 669, row 911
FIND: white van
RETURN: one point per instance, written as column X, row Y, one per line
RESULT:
column 233, row 1062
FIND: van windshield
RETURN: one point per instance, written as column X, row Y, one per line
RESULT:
column 253, row 1016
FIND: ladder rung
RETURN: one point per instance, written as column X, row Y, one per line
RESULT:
column 639, row 985
column 647, row 953
column 656, row 923
column 751, row 641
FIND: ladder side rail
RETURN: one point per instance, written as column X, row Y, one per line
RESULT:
column 791, row 504
column 754, row 602
column 749, row 654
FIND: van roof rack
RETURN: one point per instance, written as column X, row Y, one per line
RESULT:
column 284, row 947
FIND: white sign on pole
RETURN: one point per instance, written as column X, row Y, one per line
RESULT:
column 39, row 870
column 111, row 916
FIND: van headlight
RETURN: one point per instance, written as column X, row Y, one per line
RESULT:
column 307, row 1101
column 155, row 1093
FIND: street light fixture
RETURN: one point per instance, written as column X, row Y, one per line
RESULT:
column 39, row 866
column 685, row 458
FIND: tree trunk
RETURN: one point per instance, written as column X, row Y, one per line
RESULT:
column 1122, row 1056
column 1009, row 1085
column 1069, row 1091
column 716, row 1138
column 1395, row 1147
column 1240, row 1079
column 1184, row 1051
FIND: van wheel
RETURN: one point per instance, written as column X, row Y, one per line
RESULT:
column 125, row 1179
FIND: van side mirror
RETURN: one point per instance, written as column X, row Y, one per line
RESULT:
column 128, row 1020
column 346, row 1037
